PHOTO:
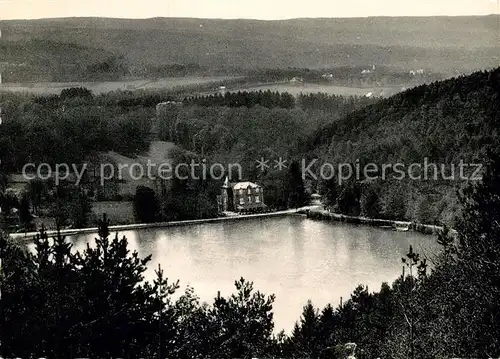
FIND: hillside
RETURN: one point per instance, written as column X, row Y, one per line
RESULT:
column 446, row 122
column 443, row 44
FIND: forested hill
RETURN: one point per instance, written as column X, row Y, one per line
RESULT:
column 445, row 121
column 440, row 44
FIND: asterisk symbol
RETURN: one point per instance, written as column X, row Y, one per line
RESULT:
column 280, row 164
column 262, row 164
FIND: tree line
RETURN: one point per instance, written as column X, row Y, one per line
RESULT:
column 266, row 98
column 68, row 127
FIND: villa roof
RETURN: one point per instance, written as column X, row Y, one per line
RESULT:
column 245, row 185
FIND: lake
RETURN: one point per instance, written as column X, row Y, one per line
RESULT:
column 293, row 257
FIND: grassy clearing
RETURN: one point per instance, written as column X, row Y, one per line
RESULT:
column 103, row 87
column 329, row 89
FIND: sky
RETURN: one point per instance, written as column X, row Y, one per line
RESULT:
column 248, row 9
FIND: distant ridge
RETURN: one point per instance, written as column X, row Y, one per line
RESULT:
column 442, row 44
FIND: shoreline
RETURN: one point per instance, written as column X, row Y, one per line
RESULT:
column 127, row 227
column 429, row 229
column 311, row 212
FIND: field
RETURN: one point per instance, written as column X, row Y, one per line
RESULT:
column 306, row 88
column 102, row 87
column 43, row 88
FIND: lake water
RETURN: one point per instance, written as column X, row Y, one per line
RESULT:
column 293, row 257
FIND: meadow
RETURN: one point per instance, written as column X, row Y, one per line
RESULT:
column 306, row 88
column 108, row 86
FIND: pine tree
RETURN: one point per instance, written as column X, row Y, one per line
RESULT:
column 305, row 336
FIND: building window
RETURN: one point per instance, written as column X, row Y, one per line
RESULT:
column 257, row 199
column 249, row 199
column 249, row 191
column 257, row 190
column 241, row 191
column 242, row 201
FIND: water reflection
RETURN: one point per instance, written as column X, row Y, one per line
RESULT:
column 295, row 258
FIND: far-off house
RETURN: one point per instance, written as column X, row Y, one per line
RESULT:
column 241, row 197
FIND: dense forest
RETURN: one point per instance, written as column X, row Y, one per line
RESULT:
column 60, row 303
column 76, row 126
column 244, row 99
column 442, row 123
column 66, row 128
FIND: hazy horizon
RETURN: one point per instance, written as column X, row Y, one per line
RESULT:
column 249, row 19
column 233, row 10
